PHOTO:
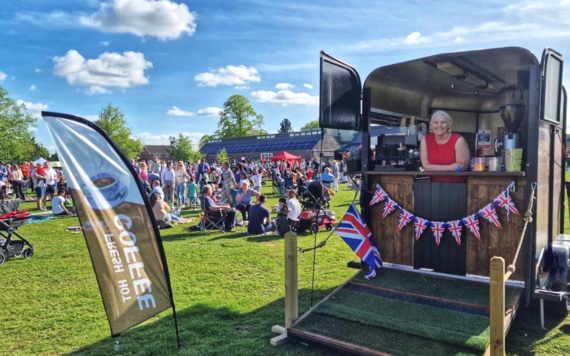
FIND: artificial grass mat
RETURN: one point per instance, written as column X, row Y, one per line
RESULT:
column 454, row 289
column 438, row 324
column 380, row 339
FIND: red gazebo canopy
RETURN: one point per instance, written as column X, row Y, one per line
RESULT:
column 285, row 156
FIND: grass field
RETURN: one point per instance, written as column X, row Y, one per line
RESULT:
column 228, row 290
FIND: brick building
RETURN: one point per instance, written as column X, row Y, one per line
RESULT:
column 306, row 144
column 162, row 152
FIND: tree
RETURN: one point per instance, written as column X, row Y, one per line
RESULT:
column 311, row 125
column 54, row 157
column 238, row 118
column 16, row 143
column 285, row 126
column 182, row 149
column 222, row 156
column 112, row 121
column 204, row 140
column 39, row 151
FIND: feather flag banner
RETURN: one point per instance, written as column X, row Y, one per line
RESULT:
column 405, row 218
column 455, row 228
column 437, row 227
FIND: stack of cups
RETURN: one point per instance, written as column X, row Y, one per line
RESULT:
column 513, row 159
column 494, row 164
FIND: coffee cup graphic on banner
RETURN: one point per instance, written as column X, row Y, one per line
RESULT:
column 106, row 191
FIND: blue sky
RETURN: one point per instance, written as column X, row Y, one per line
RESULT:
column 169, row 65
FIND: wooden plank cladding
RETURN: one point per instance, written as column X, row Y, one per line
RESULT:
column 394, row 246
column 494, row 241
column 398, row 246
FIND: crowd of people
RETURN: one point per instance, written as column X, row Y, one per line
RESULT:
column 42, row 179
column 231, row 187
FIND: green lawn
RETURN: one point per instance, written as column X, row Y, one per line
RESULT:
column 228, row 290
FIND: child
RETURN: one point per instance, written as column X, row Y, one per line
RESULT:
column 281, row 223
column 192, row 193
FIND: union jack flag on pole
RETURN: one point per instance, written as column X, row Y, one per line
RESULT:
column 379, row 195
column 504, row 201
column 437, row 227
column 405, row 218
column 420, row 225
column 472, row 223
column 490, row 214
column 357, row 235
column 455, row 228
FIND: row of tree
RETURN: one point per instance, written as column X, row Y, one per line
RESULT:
column 237, row 119
column 17, row 143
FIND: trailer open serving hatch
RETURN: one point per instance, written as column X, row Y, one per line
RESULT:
column 433, row 295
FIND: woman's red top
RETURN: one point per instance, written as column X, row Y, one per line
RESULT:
column 443, row 155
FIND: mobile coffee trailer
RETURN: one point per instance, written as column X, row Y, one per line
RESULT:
column 505, row 93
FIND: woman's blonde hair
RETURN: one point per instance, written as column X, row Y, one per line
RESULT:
column 444, row 114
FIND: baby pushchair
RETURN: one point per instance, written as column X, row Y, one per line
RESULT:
column 9, row 222
column 316, row 194
column 314, row 216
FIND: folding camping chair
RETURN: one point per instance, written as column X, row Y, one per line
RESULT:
column 211, row 219
column 277, row 187
column 234, row 192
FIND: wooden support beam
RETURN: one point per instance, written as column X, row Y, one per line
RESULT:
column 291, row 286
column 497, row 298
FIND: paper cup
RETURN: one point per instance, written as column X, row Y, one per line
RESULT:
column 494, row 164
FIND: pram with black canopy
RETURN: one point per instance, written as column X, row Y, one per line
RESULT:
column 9, row 247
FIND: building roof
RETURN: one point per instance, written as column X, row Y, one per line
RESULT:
column 155, row 149
column 298, row 140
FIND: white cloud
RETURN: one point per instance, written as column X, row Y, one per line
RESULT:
column 230, row 75
column 308, row 86
column 151, row 139
column 285, row 97
column 179, row 112
column 284, row 86
column 163, row 19
column 526, row 20
column 210, row 111
column 49, row 20
column 109, row 70
column 96, row 90
column 90, row 117
column 33, row 87
column 105, row 43
column 32, row 129
column 37, row 70
column 412, row 38
column 33, row 109
column 3, row 76
column 241, row 87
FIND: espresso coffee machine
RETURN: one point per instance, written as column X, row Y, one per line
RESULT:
column 398, row 152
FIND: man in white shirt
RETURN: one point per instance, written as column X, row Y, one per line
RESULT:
column 51, row 182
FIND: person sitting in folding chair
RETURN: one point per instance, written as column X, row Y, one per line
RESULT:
column 214, row 209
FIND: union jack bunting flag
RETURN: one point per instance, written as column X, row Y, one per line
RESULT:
column 405, row 218
column 357, row 235
column 455, row 228
column 420, row 225
column 379, row 195
column 389, row 207
column 472, row 223
column 437, row 227
column 490, row 214
column 504, row 201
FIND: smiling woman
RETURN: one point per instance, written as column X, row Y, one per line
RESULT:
column 443, row 150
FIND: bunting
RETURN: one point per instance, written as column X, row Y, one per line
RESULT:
column 405, row 218
column 455, row 227
column 437, row 227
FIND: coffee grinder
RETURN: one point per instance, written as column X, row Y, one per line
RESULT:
column 512, row 114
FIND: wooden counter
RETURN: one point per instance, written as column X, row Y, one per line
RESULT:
column 481, row 189
column 463, row 173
